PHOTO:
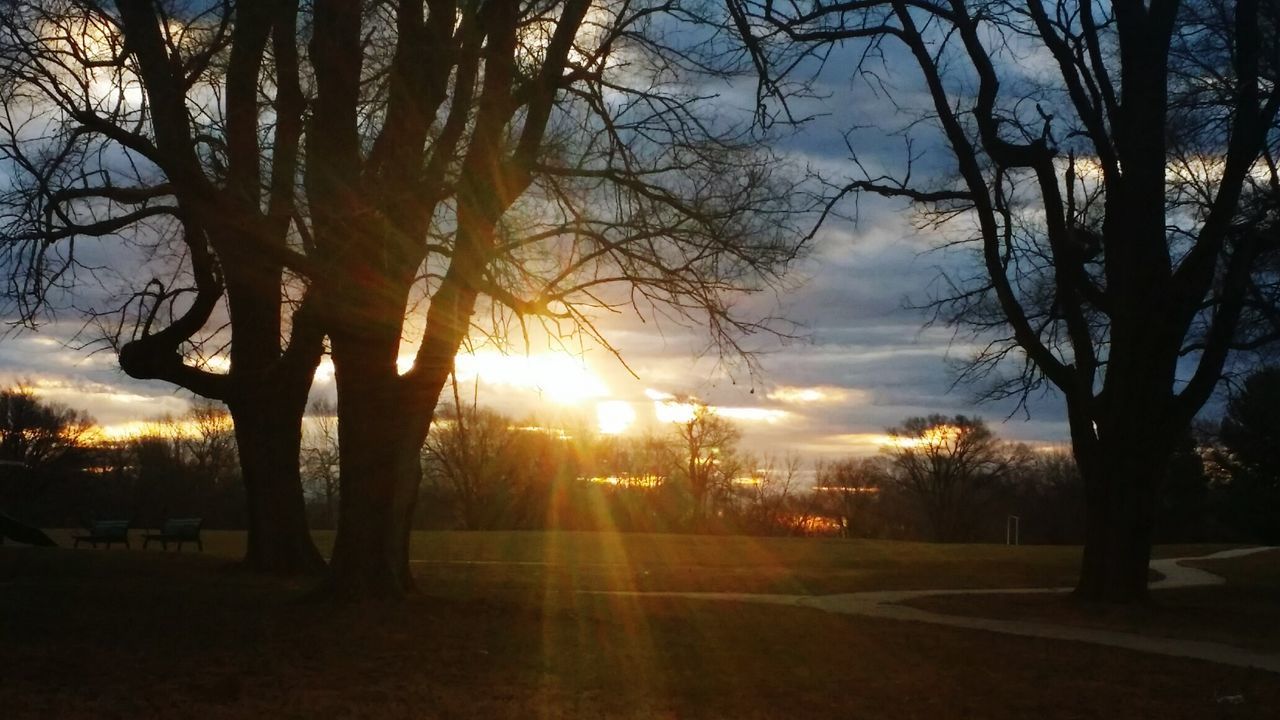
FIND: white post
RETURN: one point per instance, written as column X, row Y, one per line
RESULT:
column 1013, row 530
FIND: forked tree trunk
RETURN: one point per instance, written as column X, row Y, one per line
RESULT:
column 1122, row 437
column 267, row 401
column 380, row 432
column 383, row 418
column 268, row 434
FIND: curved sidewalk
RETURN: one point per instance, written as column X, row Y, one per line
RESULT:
column 886, row 605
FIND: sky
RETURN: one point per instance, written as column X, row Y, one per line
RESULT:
column 862, row 359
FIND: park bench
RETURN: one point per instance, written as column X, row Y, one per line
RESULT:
column 176, row 530
column 106, row 532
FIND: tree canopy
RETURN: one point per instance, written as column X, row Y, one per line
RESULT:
column 39, row 434
column 1112, row 168
column 382, row 181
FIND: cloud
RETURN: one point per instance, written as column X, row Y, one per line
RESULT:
column 862, row 360
column 48, row 361
column 793, row 395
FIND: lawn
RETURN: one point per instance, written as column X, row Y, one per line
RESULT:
column 460, row 562
column 87, row 634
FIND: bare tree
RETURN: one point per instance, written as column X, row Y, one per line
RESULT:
column 472, row 453
column 949, row 467
column 211, row 442
column 849, row 488
column 645, row 460
column 170, row 131
column 39, row 434
column 321, row 455
column 770, row 493
column 1122, row 202
column 707, row 442
column 537, row 163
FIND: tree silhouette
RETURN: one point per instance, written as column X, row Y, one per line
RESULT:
column 137, row 124
column 706, row 445
column 1250, row 432
column 949, row 467
column 335, row 167
column 1121, row 202
column 473, row 454
column 849, row 488
column 320, row 456
column 38, row 434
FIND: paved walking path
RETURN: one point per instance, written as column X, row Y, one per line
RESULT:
column 886, row 605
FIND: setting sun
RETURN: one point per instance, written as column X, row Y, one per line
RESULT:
column 560, row 377
column 613, row 417
column 184, row 428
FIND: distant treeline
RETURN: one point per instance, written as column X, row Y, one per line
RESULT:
column 57, row 470
column 945, row 479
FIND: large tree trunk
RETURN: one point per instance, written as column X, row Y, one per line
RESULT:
column 1117, row 552
column 1122, row 437
column 698, row 491
column 380, row 432
column 371, row 552
column 269, row 436
column 383, row 418
column 1123, row 473
column 267, row 402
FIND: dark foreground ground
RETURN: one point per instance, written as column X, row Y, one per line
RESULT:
column 87, row 634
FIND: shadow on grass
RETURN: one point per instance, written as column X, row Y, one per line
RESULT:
column 98, row 634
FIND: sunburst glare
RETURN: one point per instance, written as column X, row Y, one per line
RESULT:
column 614, row 417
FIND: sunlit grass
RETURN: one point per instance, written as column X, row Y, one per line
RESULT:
column 537, row 562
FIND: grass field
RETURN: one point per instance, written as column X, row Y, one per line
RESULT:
column 456, row 562
column 87, row 634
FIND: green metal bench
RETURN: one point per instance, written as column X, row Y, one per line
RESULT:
column 177, row 530
column 105, row 532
